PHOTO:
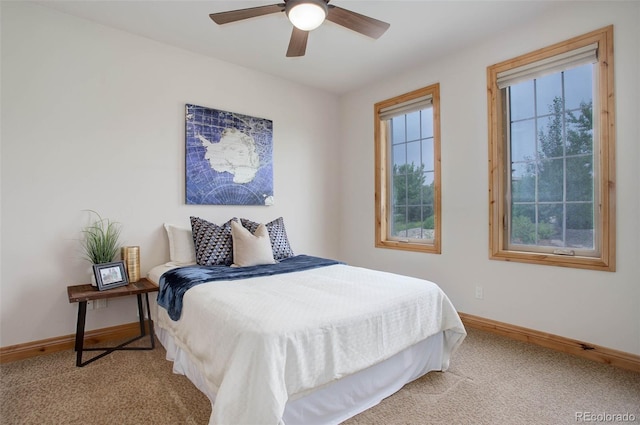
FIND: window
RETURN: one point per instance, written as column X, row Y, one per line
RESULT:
column 552, row 151
column 407, row 135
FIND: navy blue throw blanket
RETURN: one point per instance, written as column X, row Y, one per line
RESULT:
column 174, row 283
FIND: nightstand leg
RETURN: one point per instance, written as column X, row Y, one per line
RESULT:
column 82, row 315
column 153, row 338
column 141, row 316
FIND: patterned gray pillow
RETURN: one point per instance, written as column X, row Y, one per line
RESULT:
column 278, row 235
column 213, row 243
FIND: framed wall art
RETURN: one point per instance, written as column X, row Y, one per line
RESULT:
column 110, row 275
column 229, row 158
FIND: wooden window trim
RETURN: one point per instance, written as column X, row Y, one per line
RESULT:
column 605, row 143
column 382, row 177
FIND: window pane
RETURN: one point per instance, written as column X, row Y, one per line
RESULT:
column 418, row 226
column 580, row 178
column 399, row 189
column 414, row 217
column 427, row 154
column 523, row 141
column 550, row 222
column 398, row 225
column 397, row 128
column 413, row 154
column 428, row 228
column 399, row 157
column 551, row 180
column 578, row 86
column 550, row 136
column 427, row 213
column 523, row 182
column 547, row 89
column 428, row 177
column 415, row 180
column 580, row 225
column 522, row 103
column 427, row 197
column 523, row 228
column 413, row 126
column 580, row 131
column 427, row 122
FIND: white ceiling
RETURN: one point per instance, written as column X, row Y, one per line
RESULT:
column 337, row 60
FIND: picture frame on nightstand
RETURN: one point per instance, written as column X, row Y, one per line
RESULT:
column 110, row 275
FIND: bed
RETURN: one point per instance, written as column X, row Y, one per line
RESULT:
column 316, row 343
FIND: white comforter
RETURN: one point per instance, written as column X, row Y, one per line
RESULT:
column 262, row 341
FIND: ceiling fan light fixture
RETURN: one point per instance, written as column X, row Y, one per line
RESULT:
column 307, row 15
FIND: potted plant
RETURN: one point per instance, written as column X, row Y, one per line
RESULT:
column 100, row 241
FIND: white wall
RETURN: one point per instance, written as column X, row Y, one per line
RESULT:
column 597, row 307
column 93, row 118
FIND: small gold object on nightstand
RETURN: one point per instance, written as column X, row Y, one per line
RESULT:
column 131, row 258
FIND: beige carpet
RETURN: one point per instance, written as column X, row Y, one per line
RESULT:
column 492, row 380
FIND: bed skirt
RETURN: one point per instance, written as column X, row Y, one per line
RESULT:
column 341, row 399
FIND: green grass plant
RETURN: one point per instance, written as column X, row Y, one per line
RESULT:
column 101, row 240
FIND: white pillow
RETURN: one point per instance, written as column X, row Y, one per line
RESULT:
column 251, row 249
column 182, row 252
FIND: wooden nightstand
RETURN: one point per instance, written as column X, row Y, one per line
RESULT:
column 82, row 293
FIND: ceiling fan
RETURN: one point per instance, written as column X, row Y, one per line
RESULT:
column 307, row 15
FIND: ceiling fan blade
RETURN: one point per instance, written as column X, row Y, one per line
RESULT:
column 298, row 43
column 240, row 14
column 356, row 22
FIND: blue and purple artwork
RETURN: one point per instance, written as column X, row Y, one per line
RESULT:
column 229, row 158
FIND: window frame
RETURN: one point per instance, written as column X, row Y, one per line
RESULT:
column 604, row 145
column 383, row 170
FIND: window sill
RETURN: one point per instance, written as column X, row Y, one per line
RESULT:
column 409, row 246
column 578, row 262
